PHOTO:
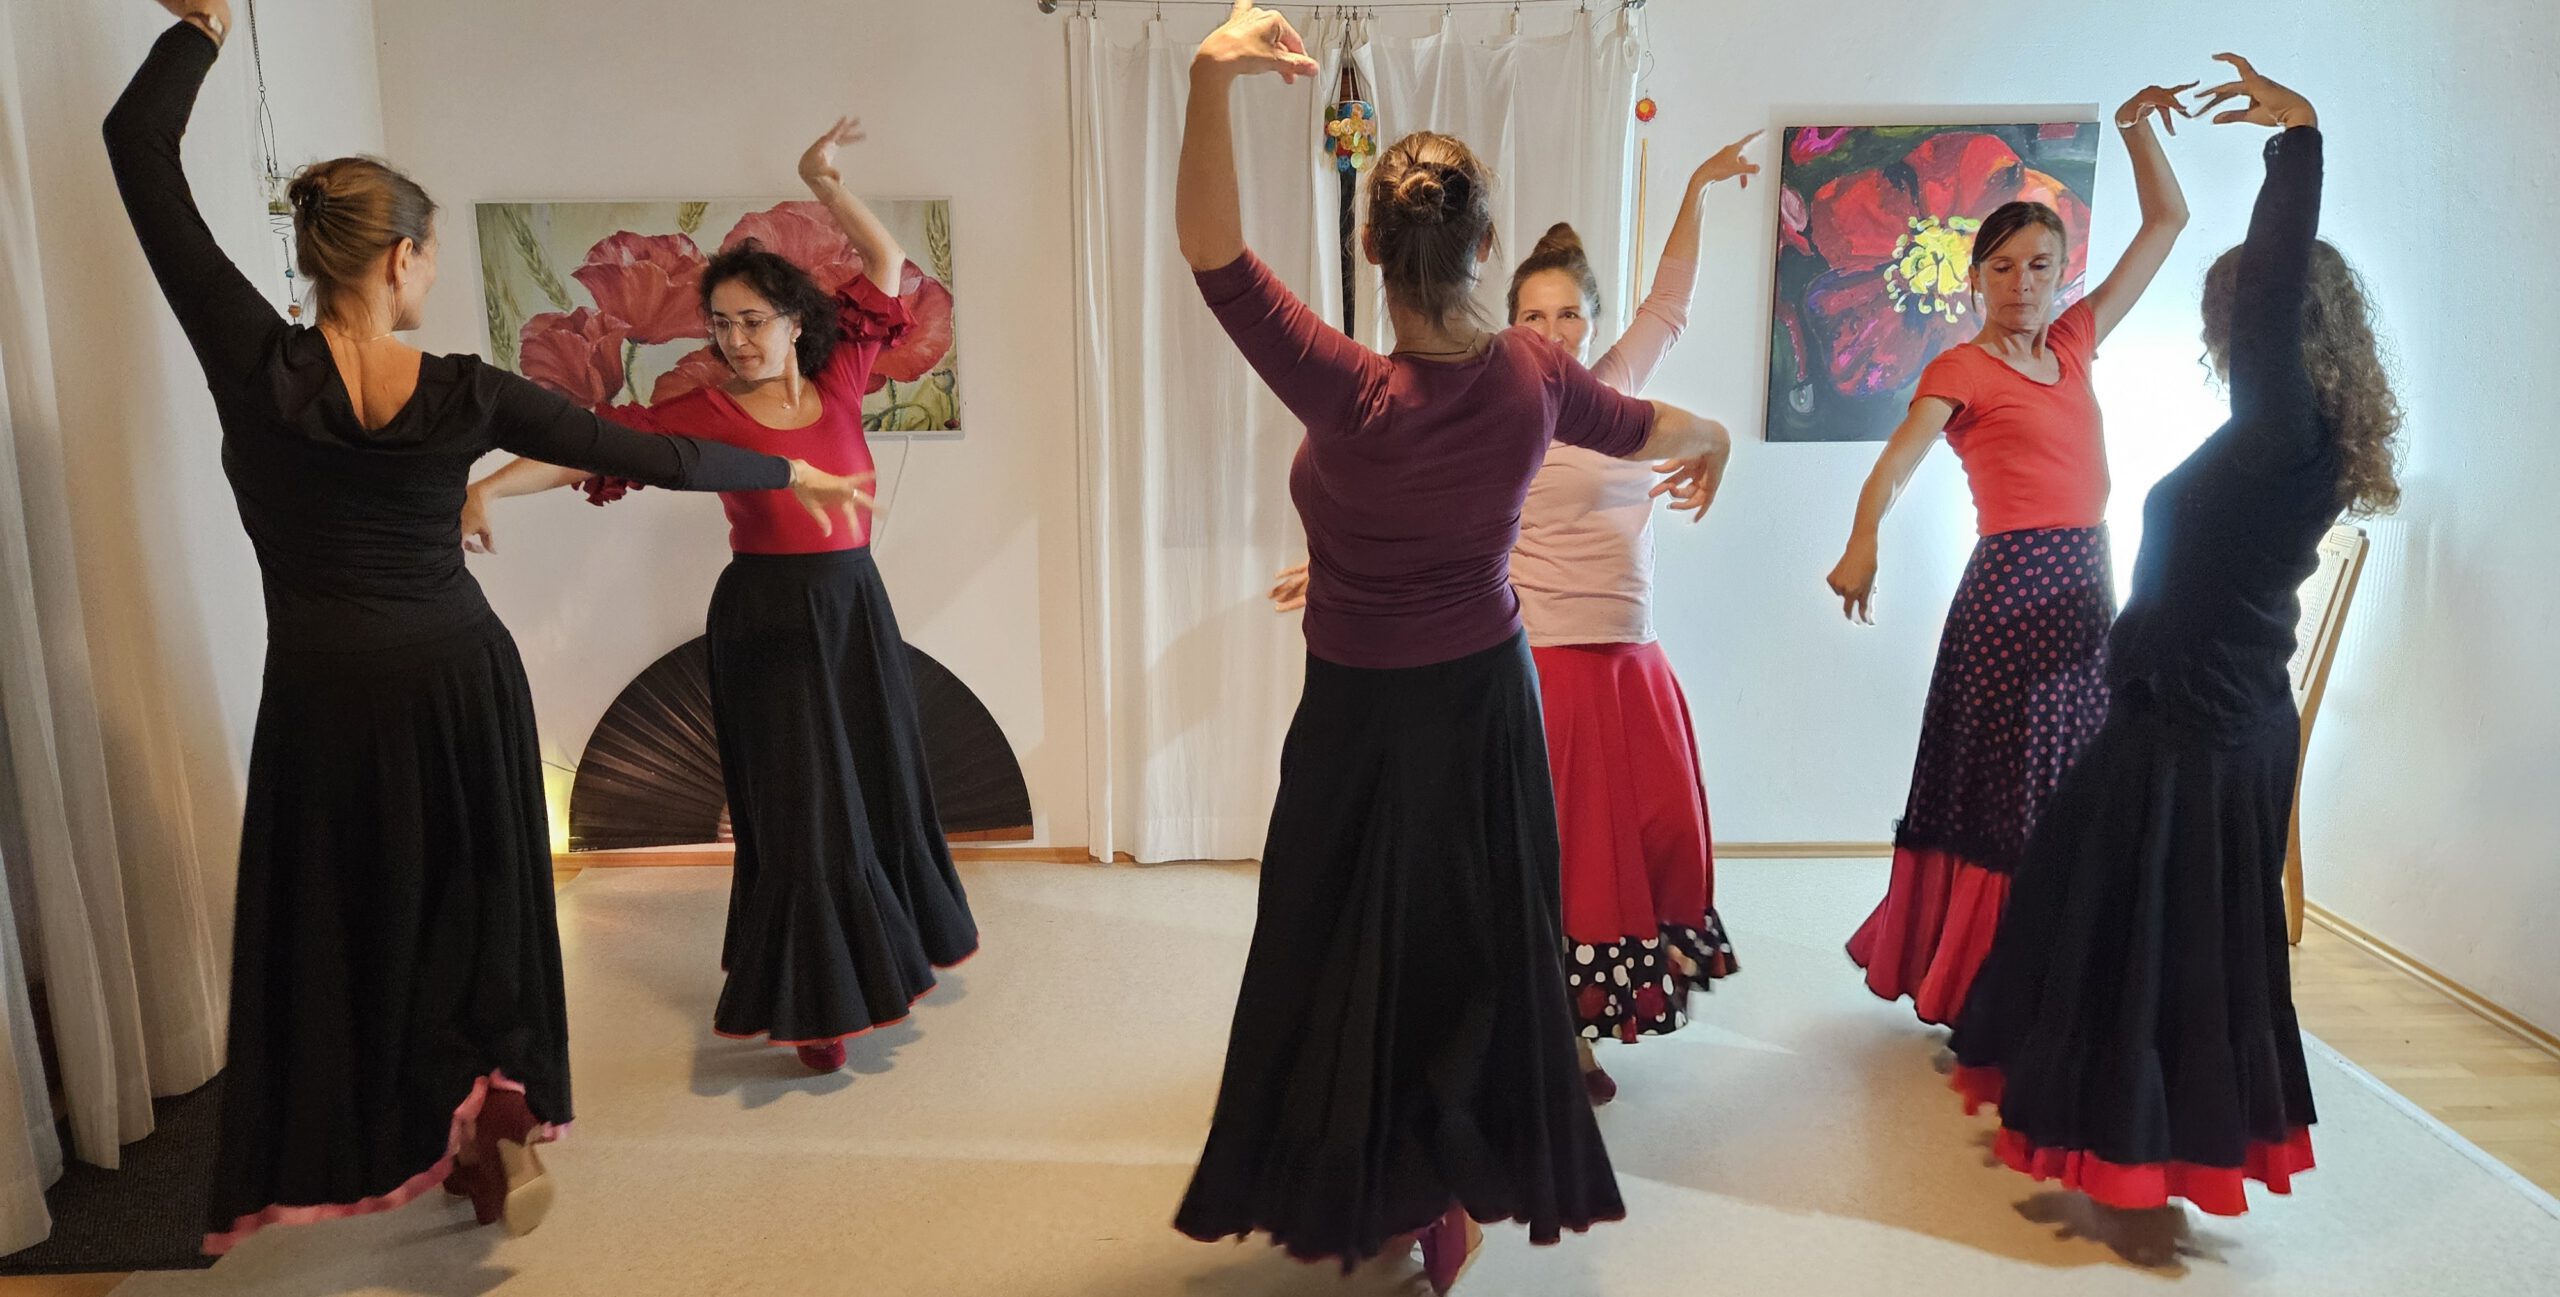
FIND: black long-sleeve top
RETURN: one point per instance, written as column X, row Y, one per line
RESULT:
column 2229, row 536
column 357, row 530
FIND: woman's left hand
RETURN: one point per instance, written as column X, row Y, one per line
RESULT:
column 1727, row 164
column 2162, row 100
column 1691, row 483
column 818, row 165
column 477, row 538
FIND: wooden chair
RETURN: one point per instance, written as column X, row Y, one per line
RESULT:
column 2324, row 613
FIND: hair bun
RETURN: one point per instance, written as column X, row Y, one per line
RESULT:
column 1423, row 195
column 1560, row 240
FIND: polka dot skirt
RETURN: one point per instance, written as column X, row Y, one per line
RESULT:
column 1640, row 986
column 2018, row 691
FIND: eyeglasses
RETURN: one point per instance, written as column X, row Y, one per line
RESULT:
column 748, row 325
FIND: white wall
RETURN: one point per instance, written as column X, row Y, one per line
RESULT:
column 496, row 99
column 175, row 621
column 2422, row 811
column 2429, row 811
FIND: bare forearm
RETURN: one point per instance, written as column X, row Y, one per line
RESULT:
column 1208, row 217
column 2155, row 182
column 1683, row 243
column 1678, row 434
column 527, row 477
column 882, row 259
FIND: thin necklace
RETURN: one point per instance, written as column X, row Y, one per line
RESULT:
column 1468, row 350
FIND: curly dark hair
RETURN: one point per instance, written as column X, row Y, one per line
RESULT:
column 780, row 280
column 2349, row 372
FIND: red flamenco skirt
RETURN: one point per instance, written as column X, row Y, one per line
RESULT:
column 1929, row 936
column 2219, row 1190
column 1641, row 929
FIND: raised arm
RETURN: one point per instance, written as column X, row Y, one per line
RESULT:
column 883, row 261
column 228, row 322
column 1657, row 322
column 2275, row 262
column 1207, row 217
column 2164, row 205
column 1854, row 577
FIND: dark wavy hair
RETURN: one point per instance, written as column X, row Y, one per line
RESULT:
column 779, row 280
column 2350, row 376
column 1559, row 249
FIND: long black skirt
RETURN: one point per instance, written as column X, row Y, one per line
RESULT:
column 394, row 954
column 844, row 900
column 1402, row 1040
column 2134, row 1021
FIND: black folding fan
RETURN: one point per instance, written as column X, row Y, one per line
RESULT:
column 650, row 776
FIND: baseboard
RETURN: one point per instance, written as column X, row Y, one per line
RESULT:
column 1801, row 850
column 2495, row 1012
column 722, row 854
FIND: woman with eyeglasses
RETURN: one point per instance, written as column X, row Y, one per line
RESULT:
column 843, row 900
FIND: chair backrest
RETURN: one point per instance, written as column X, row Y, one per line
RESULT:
column 2324, row 612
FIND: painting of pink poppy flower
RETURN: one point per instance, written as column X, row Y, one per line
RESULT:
column 1874, row 245
column 602, row 301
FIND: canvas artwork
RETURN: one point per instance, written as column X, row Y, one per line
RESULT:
column 601, row 301
column 1874, row 235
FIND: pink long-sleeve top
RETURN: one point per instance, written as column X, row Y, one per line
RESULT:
column 1584, row 562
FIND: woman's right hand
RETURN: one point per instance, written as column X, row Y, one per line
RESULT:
column 1854, row 580
column 1254, row 39
column 1289, row 589
column 2269, row 104
column 822, row 493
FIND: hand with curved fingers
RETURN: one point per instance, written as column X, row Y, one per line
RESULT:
column 1692, row 482
column 1289, row 588
column 1727, row 164
column 2163, row 101
column 2269, row 103
column 477, row 538
column 1854, row 580
column 818, row 165
column 822, row 493
column 1255, row 39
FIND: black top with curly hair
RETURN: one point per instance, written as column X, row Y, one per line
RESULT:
column 780, row 281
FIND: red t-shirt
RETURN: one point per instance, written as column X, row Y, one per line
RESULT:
column 2035, row 453
column 772, row 522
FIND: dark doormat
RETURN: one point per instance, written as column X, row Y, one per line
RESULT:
column 147, row 1216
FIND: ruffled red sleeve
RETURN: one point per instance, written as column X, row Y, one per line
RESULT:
column 870, row 316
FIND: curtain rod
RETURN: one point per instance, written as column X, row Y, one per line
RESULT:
column 1052, row 6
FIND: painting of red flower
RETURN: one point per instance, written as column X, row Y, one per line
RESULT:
column 602, row 302
column 1873, row 252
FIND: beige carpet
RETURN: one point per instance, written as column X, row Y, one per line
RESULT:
column 1028, row 1132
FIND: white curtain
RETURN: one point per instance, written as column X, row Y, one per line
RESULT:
column 1190, row 677
column 118, row 945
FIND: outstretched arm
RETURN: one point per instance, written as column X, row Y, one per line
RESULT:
column 884, row 263
column 2164, row 205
